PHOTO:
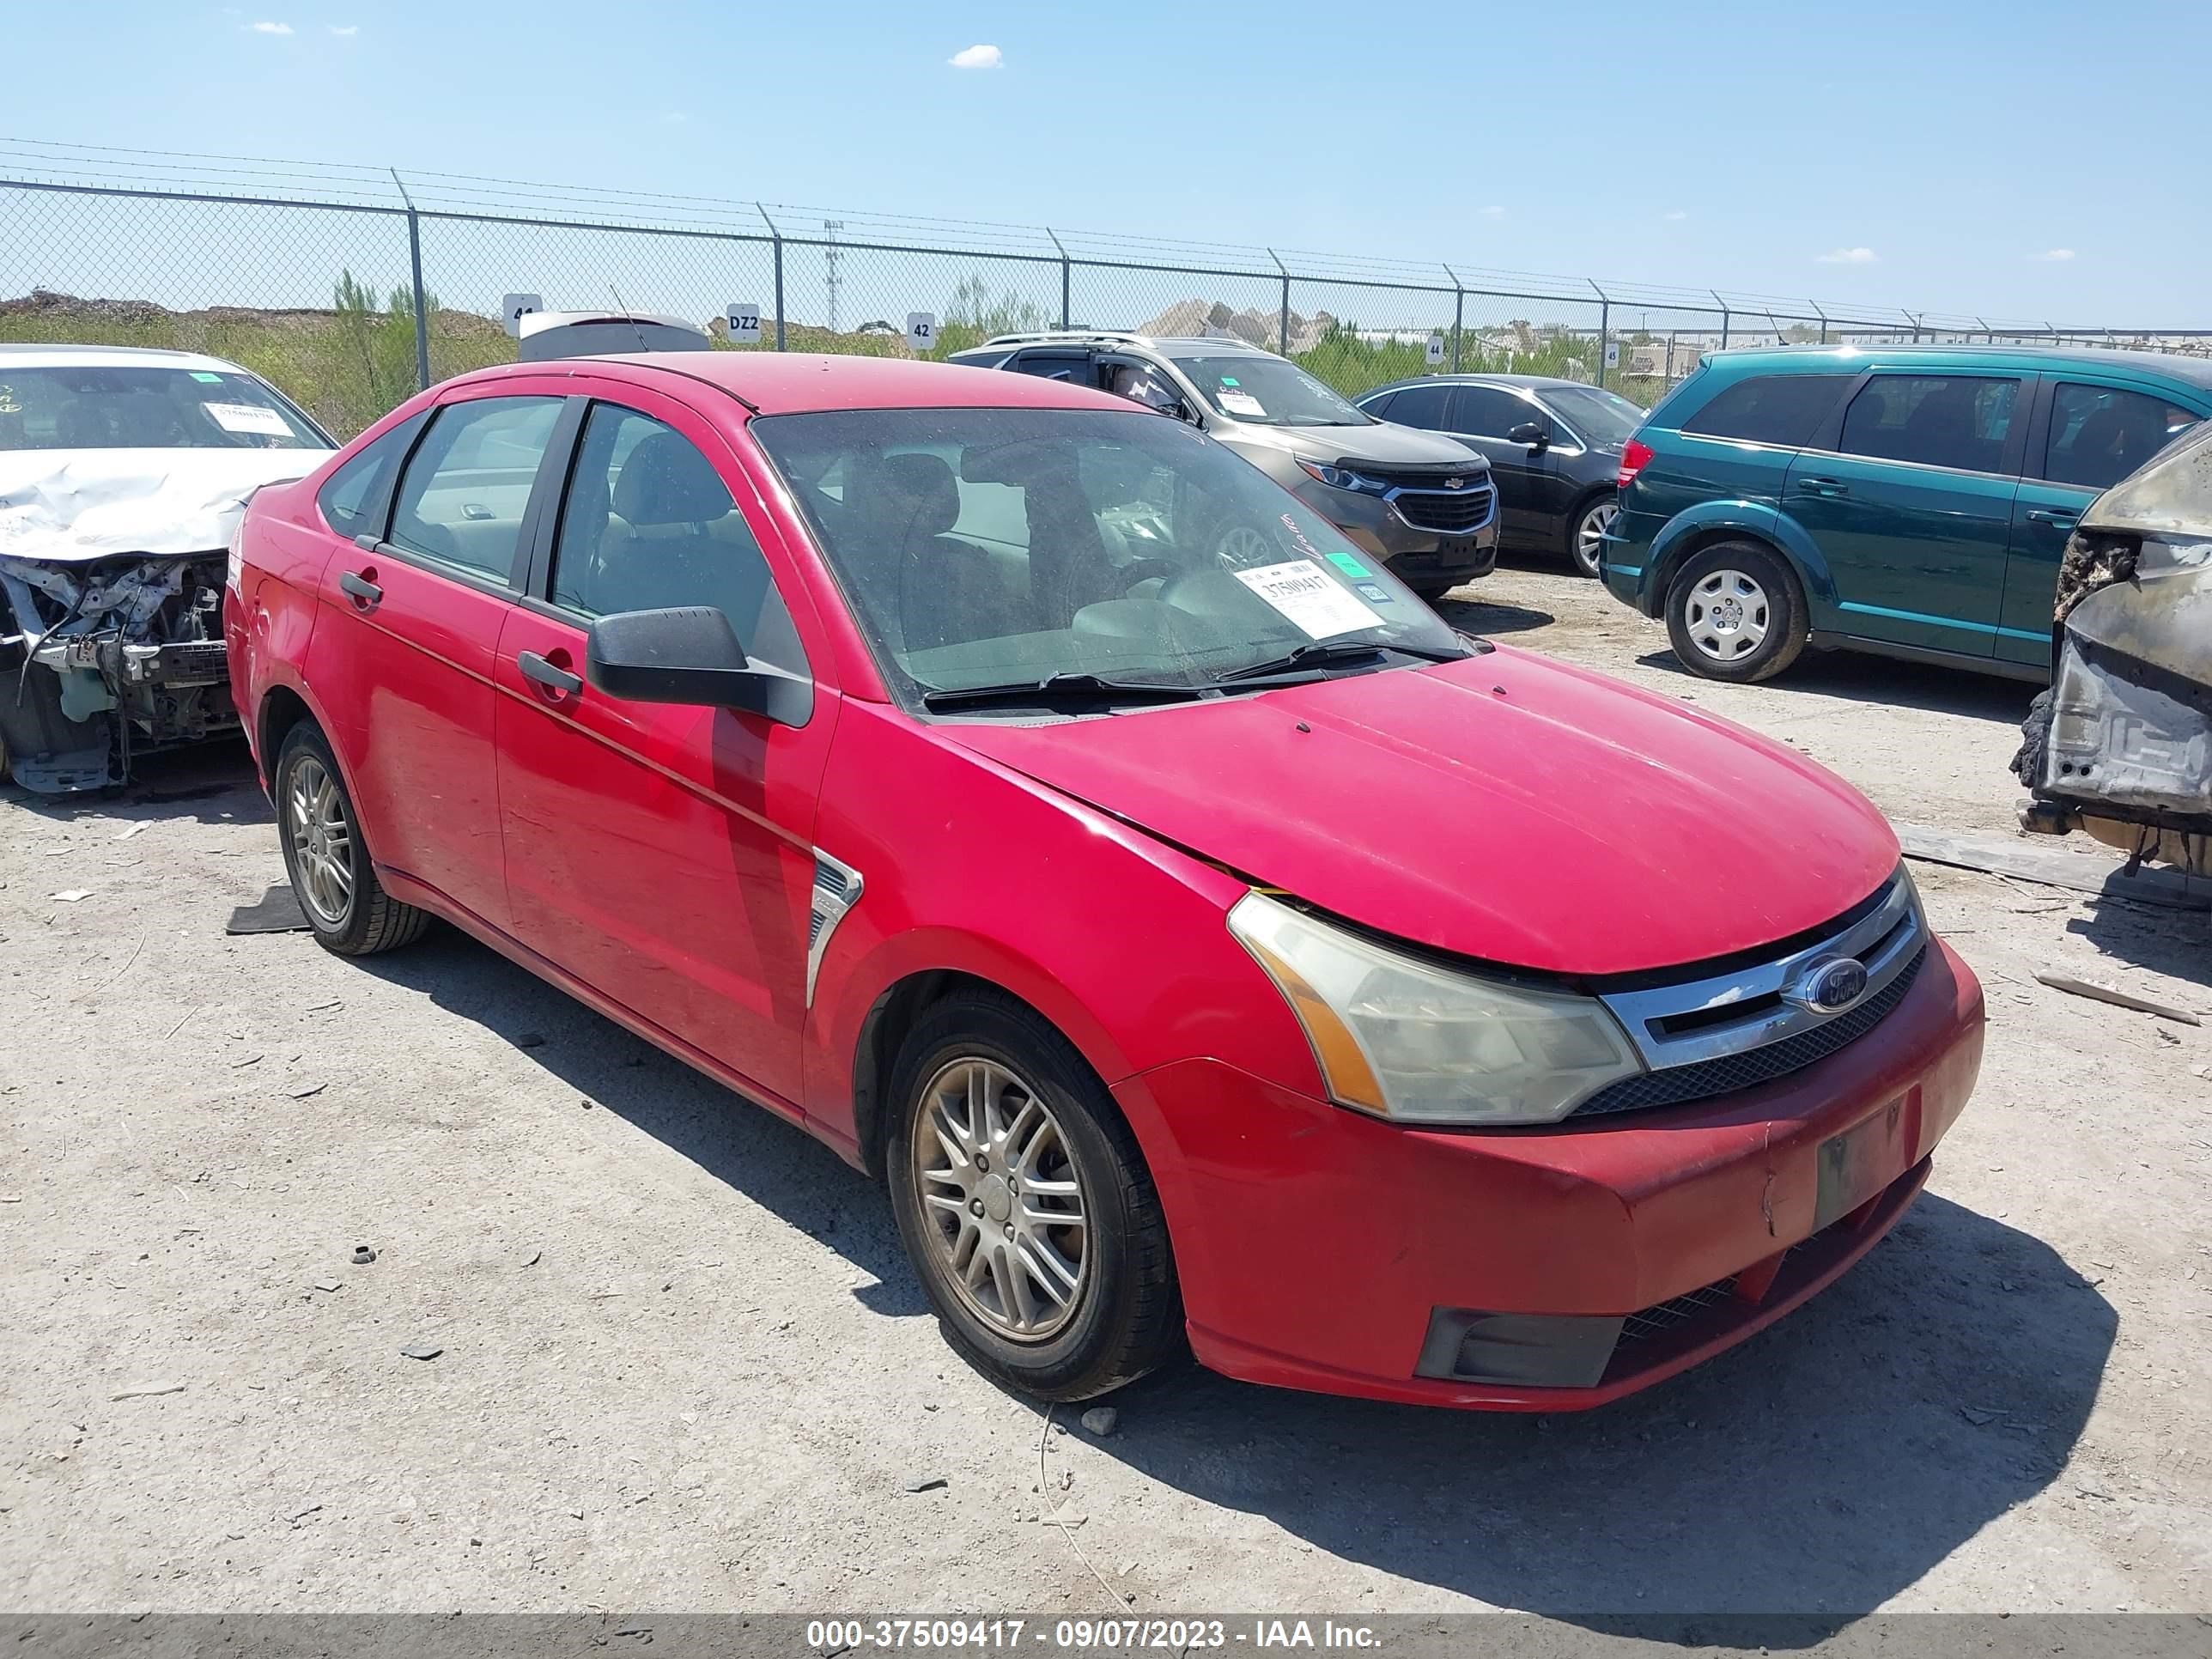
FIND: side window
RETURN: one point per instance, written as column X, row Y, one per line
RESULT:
column 648, row 524
column 1424, row 406
column 1489, row 412
column 462, row 498
column 352, row 497
column 2099, row 433
column 1379, row 407
column 1936, row 419
column 1053, row 366
column 1769, row 409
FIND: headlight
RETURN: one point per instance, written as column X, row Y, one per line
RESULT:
column 1337, row 477
column 1419, row 1044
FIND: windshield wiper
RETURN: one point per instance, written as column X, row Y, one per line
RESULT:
column 1055, row 689
column 1328, row 654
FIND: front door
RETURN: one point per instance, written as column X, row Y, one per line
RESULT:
column 661, row 853
column 1911, row 506
column 1480, row 417
column 406, row 636
column 2092, row 435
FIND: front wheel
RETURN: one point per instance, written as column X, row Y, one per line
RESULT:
column 1025, row 1205
column 1586, row 533
column 1735, row 612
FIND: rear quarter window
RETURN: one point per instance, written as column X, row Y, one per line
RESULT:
column 1784, row 409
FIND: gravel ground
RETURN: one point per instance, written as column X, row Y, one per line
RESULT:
column 682, row 1364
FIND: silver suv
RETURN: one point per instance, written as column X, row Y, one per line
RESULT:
column 1421, row 503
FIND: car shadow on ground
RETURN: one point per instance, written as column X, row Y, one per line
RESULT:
column 213, row 782
column 1859, row 677
column 1820, row 1469
column 775, row 1164
column 1487, row 617
column 2177, row 943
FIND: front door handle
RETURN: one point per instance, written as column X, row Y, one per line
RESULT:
column 551, row 676
column 2056, row 519
column 365, row 593
column 1823, row 487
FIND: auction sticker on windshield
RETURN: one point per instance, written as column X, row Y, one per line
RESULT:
column 247, row 417
column 1308, row 600
column 1242, row 402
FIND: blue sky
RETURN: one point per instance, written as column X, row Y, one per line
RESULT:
column 2025, row 160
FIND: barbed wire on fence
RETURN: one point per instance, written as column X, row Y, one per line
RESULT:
column 350, row 285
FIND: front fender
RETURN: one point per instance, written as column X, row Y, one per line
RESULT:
column 1710, row 520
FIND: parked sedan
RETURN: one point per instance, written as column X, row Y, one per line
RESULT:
column 1553, row 449
column 1175, row 930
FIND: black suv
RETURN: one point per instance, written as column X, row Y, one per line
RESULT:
column 1553, row 449
column 1421, row 504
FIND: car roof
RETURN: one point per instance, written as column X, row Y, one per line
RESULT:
column 1476, row 376
column 789, row 383
column 2193, row 371
column 106, row 357
column 1114, row 339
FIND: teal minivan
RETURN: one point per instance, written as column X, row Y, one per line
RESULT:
column 1911, row 501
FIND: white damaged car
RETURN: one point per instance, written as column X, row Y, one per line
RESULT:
column 123, row 473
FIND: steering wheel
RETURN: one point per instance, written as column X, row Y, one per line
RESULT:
column 1243, row 547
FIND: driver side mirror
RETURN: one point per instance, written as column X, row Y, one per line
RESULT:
column 1530, row 432
column 690, row 654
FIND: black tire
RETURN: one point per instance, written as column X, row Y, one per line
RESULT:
column 2028, row 760
column 369, row 919
column 1774, row 609
column 1578, row 543
column 1431, row 591
column 1124, row 1316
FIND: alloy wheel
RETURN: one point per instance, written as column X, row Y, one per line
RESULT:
column 1726, row 615
column 1002, row 1200
column 1590, row 532
column 322, row 841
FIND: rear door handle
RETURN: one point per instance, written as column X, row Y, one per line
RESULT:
column 365, row 593
column 552, row 677
column 2056, row 519
column 1827, row 487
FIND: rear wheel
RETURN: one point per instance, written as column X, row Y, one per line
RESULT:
column 1586, row 533
column 1025, row 1205
column 1735, row 612
column 346, row 907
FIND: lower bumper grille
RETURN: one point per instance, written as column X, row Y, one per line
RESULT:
column 1450, row 513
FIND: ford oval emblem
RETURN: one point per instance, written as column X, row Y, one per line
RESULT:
column 1829, row 985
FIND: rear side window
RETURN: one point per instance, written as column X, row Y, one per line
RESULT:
column 1420, row 406
column 1957, row 420
column 462, row 498
column 2099, row 433
column 353, row 498
column 1769, row 408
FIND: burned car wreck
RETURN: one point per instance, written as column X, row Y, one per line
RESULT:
column 2120, row 747
column 123, row 474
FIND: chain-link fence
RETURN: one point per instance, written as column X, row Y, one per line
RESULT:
column 345, row 286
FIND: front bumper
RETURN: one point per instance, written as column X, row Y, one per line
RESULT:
column 1316, row 1246
column 1413, row 556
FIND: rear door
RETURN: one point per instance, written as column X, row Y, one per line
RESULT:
column 1910, row 498
column 2090, row 431
column 662, row 853
column 408, row 625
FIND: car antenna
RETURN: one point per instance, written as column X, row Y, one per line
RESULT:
column 628, row 317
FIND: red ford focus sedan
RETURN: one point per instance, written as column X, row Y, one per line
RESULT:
column 1028, row 797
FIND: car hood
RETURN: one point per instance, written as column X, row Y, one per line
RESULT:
column 1506, row 807
column 71, row 505
column 1380, row 445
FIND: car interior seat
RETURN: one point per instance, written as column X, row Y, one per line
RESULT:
column 922, row 586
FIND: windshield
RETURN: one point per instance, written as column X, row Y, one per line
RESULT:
column 1602, row 418
column 996, row 547
column 1269, row 392
column 103, row 407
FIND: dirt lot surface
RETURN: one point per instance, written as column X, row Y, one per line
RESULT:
column 682, row 1363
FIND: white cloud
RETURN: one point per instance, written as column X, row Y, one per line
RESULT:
column 345, row 31
column 674, row 117
column 269, row 29
column 1849, row 256
column 978, row 58
column 1493, row 213
column 2057, row 256
column 1676, row 214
